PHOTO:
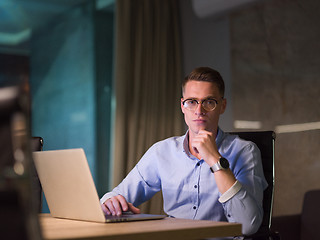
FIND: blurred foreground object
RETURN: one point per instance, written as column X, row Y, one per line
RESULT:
column 18, row 215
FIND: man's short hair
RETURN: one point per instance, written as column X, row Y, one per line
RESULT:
column 205, row 74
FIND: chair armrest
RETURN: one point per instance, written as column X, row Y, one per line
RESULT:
column 288, row 226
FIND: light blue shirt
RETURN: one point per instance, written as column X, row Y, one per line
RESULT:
column 188, row 186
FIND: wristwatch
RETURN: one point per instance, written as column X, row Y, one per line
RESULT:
column 222, row 164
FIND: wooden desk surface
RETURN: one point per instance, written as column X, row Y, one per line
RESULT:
column 168, row 228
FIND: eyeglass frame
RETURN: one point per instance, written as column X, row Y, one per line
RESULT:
column 202, row 101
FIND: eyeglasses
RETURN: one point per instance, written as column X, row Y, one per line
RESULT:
column 208, row 104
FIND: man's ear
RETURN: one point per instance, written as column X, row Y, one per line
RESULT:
column 223, row 106
column 181, row 105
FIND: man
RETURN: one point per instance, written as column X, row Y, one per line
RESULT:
column 205, row 174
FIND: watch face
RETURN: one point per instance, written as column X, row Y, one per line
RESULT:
column 224, row 163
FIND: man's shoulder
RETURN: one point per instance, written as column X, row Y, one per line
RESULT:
column 171, row 141
column 236, row 148
column 171, row 144
column 235, row 141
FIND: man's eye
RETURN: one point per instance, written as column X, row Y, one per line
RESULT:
column 210, row 102
column 192, row 102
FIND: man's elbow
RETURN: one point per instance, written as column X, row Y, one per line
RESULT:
column 251, row 227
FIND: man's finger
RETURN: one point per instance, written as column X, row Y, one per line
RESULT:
column 109, row 206
column 105, row 209
column 123, row 203
column 133, row 208
column 118, row 207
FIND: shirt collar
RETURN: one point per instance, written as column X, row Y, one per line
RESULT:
column 186, row 144
column 219, row 137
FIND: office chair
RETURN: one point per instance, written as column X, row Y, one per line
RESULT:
column 37, row 145
column 265, row 142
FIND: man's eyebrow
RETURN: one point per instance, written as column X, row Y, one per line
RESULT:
column 211, row 97
column 208, row 97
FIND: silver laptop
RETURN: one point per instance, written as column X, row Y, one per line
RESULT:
column 69, row 187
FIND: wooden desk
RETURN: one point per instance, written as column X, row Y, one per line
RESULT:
column 168, row 228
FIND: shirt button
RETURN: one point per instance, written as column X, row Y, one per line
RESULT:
column 194, row 207
column 195, row 186
column 198, row 164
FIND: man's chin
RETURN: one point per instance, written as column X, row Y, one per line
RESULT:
column 199, row 128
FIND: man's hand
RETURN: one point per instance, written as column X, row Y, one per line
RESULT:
column 205, row 143
column 118, row 204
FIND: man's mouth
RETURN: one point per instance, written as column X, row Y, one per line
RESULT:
column 200, row 121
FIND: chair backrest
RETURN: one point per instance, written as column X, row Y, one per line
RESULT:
column 265, row 141
column 310, row 223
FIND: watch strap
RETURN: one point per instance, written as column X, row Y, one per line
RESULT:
column 216, row 167
column 222, row 164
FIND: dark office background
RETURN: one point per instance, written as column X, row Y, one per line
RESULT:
column 267, row 52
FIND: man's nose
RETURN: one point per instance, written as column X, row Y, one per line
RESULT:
column 200, row 110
